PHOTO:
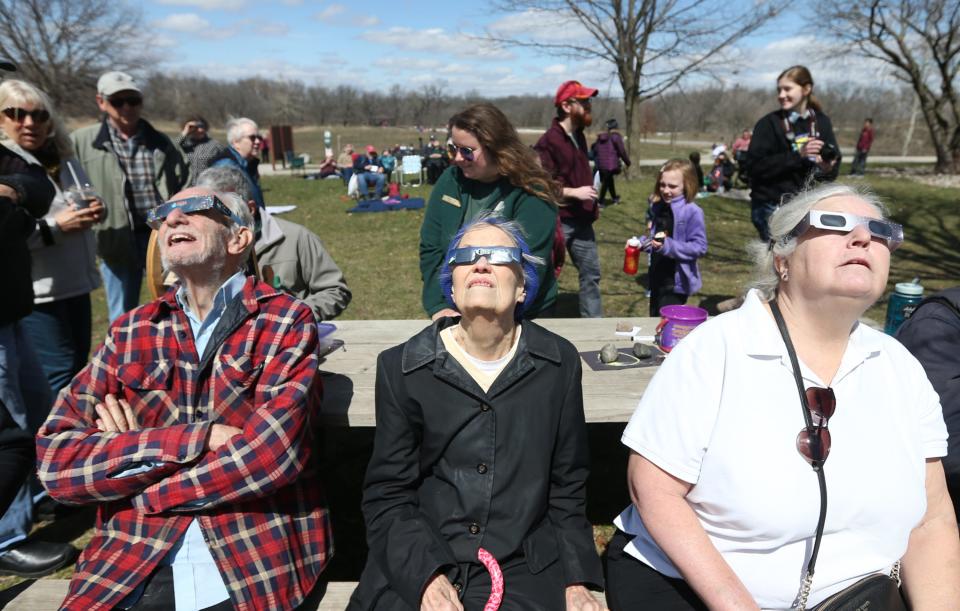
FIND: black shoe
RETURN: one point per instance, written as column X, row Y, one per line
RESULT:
column 36, row 558
column 48, row 510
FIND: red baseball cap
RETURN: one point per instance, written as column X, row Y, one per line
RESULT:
column 573, row 89
column 371, row 148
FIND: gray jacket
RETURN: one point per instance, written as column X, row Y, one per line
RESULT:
column 63, row 264
column 293, row 258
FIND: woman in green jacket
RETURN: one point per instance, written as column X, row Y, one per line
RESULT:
column 491, row 170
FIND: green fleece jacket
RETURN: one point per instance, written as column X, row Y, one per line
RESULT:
column 94, row 150
column 451, row 198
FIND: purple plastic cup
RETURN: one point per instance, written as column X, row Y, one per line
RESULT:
column 676, row 321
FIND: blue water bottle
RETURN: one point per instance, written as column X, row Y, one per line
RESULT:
column 904, row 300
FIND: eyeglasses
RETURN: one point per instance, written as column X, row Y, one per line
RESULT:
column 191, row 205
column 119, row 101
column 466, row 152
column 844, row 222
column 39, row 115
column 253, row 137
column 585, row 102
column 813, row 442
column 496, row 255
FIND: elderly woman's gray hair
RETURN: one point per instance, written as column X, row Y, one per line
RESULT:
column 784, row 220
column 226, row 179
column 235, row 125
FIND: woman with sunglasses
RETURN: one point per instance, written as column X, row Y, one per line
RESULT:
column 492, row 170
column 790, row 147
column 63, row 249
column 726, row 461
column 476, row 488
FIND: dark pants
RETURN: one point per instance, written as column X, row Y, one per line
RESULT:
column 60, row 334
column 664, row 296
column 522, row 590
column 607, row 184
column 859, row 165
column 158, row 595
column 17, row 456
column 760, row 215
column 633, row 585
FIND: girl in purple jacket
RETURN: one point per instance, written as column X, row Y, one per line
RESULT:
column 678, row 236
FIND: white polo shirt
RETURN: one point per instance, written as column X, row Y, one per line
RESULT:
column 723, row 414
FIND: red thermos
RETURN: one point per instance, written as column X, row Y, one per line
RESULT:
column 631, row 256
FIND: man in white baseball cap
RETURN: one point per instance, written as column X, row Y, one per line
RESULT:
column 133, row 167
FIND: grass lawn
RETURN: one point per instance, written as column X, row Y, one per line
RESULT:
column 378, row 254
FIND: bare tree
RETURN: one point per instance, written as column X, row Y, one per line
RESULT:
column 64, row 45
column 920, row 40
column 652, row 44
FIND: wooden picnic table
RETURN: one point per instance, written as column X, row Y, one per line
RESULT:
column 349, row 374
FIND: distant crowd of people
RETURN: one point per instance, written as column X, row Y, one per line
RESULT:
column 190, row 427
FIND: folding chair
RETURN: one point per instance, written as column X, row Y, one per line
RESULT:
column 295, row 162
column 411, row 165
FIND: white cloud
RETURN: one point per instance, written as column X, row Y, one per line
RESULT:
column 540, row 26
column 207, row 5
column 330, row 13
column 366, row 21
column 272, row 29
column 555, row 69
column 183, row 22
column 436, row 40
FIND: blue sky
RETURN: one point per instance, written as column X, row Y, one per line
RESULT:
column 376, row 44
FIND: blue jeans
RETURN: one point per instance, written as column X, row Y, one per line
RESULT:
column 859, row 165
column 760, row 214
column 60, row 334
column 122, row 284
column 26, row 395
column 582, row 245
column 365, row 178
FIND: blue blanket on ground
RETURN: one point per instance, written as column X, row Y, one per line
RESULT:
column 376, row 205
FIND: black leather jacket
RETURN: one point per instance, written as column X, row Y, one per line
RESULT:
column 455, row 468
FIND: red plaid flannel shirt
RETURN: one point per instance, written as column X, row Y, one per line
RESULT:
column 257, row 497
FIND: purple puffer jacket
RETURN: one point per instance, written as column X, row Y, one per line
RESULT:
column 608, row 150
column 687, row 244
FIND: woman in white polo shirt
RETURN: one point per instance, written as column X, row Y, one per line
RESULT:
column 724, row 459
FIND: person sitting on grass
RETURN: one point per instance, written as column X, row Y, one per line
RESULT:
column 190, row 429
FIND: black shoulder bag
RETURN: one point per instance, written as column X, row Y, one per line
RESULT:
column 877, row 592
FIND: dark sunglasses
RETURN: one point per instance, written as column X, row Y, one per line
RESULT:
column 19, row 115
column 190, row 205
column 813, row 442
column 119, row 101
column 465, row 151
column 253, row 137
column 496, row 255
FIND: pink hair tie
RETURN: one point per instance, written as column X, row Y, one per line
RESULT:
column 496, row 579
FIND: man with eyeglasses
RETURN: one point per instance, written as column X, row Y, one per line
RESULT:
column 563, row 153
column 190, row 429
column 243, row 152
column 133, row 167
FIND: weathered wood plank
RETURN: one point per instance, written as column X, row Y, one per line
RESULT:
column 349, row 375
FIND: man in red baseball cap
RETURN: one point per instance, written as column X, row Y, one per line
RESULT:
column 563, row 153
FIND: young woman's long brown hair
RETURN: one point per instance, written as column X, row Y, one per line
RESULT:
column 801, row 76
column 514, row 160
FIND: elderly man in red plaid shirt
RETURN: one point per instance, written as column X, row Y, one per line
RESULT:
column 190, row 429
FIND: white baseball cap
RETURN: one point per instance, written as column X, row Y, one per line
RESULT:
column 112, row 82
